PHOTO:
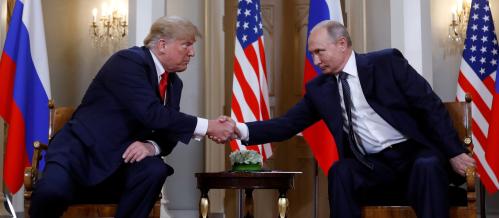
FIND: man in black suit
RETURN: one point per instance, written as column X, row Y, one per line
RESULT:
column 389, row 126
column 110, row 149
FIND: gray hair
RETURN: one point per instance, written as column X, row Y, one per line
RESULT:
column 335, row 30
column 172, row 27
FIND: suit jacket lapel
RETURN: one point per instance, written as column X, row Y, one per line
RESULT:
column 366, row 77
column 329, row 91
column 151, row 74
column 365, row 71
column 331, row 106
column 174, row 90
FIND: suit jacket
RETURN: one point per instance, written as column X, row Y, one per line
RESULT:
column 392, row 88
column 121, row 105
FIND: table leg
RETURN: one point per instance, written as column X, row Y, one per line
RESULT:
column 248, row 203
column 240, row 204
column 283, row 204
column 204, row 204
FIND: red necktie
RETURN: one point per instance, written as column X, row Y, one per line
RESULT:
column 162, row 85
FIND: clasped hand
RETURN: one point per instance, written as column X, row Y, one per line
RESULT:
column 222, row 129
column 461, row 163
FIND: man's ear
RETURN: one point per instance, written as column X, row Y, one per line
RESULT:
column 342, row 42
column 162, row 44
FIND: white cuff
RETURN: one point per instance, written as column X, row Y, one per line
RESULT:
column 201, row 129
column 243, row 129
column 156, row 147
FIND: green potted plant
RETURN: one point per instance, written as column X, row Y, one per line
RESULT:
column 245, row 160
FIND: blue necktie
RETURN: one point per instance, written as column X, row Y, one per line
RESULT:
column 348, row 109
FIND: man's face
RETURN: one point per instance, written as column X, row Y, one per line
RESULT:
column 175, row 54
column 327, row 54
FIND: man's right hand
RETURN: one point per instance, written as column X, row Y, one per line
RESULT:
column 137, row 151
column 221, row 130
column 461, row 163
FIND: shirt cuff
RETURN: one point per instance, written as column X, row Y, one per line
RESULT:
column 201, row 128
column 243, row 129
column 156, row 147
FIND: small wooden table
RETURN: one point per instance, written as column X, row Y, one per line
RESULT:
column 280, row 180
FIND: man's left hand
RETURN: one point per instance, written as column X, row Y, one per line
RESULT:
column 462, row 162
column 138, row 151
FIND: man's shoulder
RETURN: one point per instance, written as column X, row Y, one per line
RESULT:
column 133, row 52
column 138, row 55
column 382, row 54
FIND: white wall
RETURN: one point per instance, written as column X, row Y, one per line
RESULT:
column 377, row 25
column 142, row 13
column 188, row 159
column 446, row 54
column 73, row 60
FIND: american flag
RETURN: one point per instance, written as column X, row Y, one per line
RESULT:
column 250, row 98
column 477, row 77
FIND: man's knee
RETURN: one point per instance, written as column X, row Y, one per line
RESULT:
column 428, row 165
column 47, row 192
column 154, row 168
column 55, row 185
column 340, row 169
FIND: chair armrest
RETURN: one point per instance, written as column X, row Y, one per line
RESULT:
column 470, row 186
column 31, row 173
column 37, row 154
column 28, row 181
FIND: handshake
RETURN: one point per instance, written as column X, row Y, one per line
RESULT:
column 222, row 130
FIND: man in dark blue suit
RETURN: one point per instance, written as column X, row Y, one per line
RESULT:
column 389, row 126
column 110, row 149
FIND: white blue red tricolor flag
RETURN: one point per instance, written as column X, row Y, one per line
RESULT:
column 24, row 89
column 250, row 95
column 318, row 136
column 477, row 76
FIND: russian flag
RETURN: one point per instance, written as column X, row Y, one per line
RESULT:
column 318, row 136
column 24, row 89
column 491, row 149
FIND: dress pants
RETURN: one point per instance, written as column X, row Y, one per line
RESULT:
column 134, row 186
column 408, row 163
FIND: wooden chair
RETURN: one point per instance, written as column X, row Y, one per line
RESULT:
column 58, row 117
column 463, row 199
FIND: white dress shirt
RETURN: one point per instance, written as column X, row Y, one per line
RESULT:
column 371, row 131
column 202, row 124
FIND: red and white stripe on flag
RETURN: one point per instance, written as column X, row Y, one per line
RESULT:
column 477, row 76
column 250, row 95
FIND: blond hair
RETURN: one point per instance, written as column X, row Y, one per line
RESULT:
column 172, row 27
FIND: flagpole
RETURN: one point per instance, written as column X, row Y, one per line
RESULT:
column 316, row 188
column 482, row 201
column 3, row 210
